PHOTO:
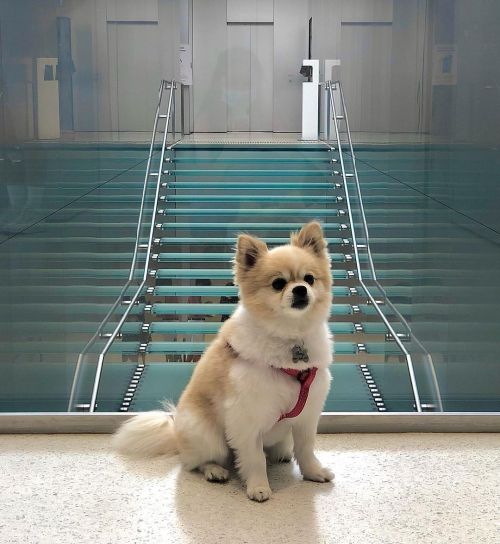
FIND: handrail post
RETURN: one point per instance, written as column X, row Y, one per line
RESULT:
column 173, row 110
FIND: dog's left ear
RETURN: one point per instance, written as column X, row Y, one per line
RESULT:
column 310, row 237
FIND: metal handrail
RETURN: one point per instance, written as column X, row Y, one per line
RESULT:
column 100, row 361
column 398, row 314
column 400, row 344
column 163, row 85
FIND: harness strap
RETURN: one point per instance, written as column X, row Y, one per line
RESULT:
column 305, row 378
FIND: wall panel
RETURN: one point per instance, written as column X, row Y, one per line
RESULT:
column 250, row 11
column 209, row 65
column 290, row 48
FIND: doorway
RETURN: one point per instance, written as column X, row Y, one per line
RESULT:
column 250, row 54
column 134, row 71
column 366, row 51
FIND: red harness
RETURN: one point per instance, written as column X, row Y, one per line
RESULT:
column 305, row 378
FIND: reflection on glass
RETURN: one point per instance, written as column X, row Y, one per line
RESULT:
column 78, row 91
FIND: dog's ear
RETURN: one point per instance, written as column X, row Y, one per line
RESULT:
column 249, row 250
column 310, row 237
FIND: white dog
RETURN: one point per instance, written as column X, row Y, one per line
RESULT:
column 260, row 386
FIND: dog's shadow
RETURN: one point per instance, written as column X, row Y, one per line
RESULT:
column 210, row 512
column 221, row 512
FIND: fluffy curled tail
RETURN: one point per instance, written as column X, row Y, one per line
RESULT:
column 146, row 435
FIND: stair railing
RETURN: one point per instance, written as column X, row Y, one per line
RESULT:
column 334, row 115
column 100, row 334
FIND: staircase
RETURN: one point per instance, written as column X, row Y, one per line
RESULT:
column 209, row 193
column 169, row 303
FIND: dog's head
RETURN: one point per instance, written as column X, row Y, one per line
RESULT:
column 288, row 285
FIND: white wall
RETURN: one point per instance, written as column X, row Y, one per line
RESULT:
column 408, row 80
column 98, row 28
column 97, row 86
column 290, row 48
column 209, row 65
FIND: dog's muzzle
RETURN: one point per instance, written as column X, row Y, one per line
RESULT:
column 300, row 297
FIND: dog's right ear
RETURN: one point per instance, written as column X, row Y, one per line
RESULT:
column 249, row 250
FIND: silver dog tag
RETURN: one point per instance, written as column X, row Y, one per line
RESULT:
column 299, row 353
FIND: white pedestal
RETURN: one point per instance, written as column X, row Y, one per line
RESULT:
column 310, row 96
column 47, row 93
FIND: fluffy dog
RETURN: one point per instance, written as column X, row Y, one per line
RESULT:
column 260, row 386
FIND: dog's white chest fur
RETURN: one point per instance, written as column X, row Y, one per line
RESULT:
column 261, row 392
column 256, row 345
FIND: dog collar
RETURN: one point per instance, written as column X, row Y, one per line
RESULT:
column 305, row 378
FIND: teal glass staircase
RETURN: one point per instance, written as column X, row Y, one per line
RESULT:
column 208, row 194
column 160, row 273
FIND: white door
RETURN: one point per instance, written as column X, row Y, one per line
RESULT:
column 366, row 75
column 135, row 70
column 250, row 77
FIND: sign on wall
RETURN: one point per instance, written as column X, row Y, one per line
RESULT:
column 185, row 64
column 444, row 64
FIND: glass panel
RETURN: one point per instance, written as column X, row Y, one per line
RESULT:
column 70, row 191
column 432, row 210
column 79, row 88
column 452, row 264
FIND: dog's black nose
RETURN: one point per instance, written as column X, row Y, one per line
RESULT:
column 300, row 291
column 300, row 298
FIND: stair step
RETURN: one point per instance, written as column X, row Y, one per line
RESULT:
column 238, row 160
column 253, row 173
column 180, row 240
column 157, row 327
column 218, row 257
column 304, row 147
column 217, row 273
column 288, row 227
column 168, row 380
column 207, row 327
column 20, row 294
column 238, row 212
column 240, row 185
column 342, row 348
column 201, row 309
column 215, row 290
column 250, row 199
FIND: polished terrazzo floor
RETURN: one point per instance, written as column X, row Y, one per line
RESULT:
column 390, row 489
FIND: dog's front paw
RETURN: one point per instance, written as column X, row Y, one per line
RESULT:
column 319, row 474
column 259, row 493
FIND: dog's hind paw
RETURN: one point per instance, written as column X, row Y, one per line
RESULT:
column 215, row 473
column 259, row 493
column 319, row 474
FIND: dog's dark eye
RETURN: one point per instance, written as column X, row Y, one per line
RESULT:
column 279, row 284
column 309, row 278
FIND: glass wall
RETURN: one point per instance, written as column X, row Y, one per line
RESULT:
column 73, row 152
column 438, row 234
column 78, row 91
